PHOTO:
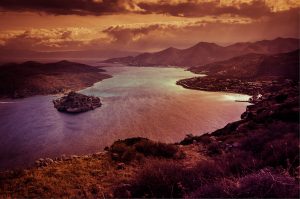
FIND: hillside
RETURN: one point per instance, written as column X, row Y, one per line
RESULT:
column 254, row 66
column 34, row 78
column 204, row 53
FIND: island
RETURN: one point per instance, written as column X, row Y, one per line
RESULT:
column 76, row 103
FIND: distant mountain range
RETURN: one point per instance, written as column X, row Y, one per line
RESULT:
column 8, row 55
column 204, row 53
column 254, row 66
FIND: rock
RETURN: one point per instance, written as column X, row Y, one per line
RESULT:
column 49, row 160
column 37, row 163
column 65, row 158
column 115, row 156
column 76, row 103
column 43, row 162
column 120, row 166
column 74, row 156
column 99, row 153
column 236, row 144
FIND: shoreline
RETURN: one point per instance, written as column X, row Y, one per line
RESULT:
column 180, row 82
column 65, row 90
column 117, row 171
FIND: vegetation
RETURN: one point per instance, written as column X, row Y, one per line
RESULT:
column 254, row 157
column 137, row 148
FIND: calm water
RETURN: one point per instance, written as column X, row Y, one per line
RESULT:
column 136, row 102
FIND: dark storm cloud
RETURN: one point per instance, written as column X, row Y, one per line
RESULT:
column 191, row 9
column 184, row 8
column 65, row 7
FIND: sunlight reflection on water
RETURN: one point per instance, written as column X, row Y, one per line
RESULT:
column 137, row 101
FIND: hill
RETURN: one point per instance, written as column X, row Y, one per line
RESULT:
column 204, row 53
column 34, row 78
column 285, row 65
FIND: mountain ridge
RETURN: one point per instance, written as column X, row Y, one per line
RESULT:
column 205, row 53
column 254, row 65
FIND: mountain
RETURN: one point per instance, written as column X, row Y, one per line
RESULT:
column 8, row 55
column 204, row 53
column 34, row 78
column 254, row 66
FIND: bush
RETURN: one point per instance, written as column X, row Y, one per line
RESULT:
column 207, row 171
column 238, row 163
column 220, row 189
column 267, row 184
column 256, row 140
column 129, row 149
column 214, row 149
column 262, row 184
column 156, row 149
column 158, row 179
column 282, row 152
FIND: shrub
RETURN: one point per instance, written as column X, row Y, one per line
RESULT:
column 220, row 189
column 207, row 171
column 158, row 179
column 282, row 152
column 129, row 149
column 156, row 149
column 267, row 184
column 255, row 141
column 128, row 155
column 238, row 163
column 214, row 149
column 262, row 184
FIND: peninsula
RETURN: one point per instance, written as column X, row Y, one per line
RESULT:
column 34, row 78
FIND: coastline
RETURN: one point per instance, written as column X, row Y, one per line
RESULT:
column 80, row 85
column 33, row 78
column 267, row 112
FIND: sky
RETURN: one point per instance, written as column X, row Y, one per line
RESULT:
column 141, row 25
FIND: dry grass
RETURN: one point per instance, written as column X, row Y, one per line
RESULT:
column 83, row 177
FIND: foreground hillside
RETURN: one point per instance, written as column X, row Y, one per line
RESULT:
column 204, row 53
column 257, row 156
column 33, row 78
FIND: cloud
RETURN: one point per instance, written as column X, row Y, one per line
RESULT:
column 156, row 35
column 194, row 9
column 68, row 7
column 49, row 39
column 188, row 32
column 183, row 8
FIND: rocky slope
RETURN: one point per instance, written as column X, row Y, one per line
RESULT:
column 204, row 53
column 33, row 78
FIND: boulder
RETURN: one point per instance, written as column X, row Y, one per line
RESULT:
column 120, row 166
